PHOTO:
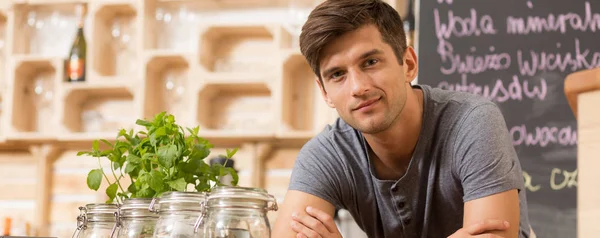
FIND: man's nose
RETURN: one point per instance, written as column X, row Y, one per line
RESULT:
column 360, row 82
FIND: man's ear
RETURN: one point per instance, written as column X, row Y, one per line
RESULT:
column 324, row 93
column 411, row 65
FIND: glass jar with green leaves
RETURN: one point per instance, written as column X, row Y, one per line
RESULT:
column 161, row 159
column 134, row 220
column 96, row 220
column 179, row 213
column 237, row 212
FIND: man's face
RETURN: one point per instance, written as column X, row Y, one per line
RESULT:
column 363, row 80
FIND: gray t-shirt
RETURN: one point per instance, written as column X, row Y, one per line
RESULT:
column 464, row 152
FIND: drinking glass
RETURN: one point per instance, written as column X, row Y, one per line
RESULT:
column 43, row 93
column 173, row 88
column 121, row 33
column 298, row 11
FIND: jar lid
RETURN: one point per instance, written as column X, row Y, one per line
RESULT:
column 178, row 201
column 99, row 209
column 96, row 212
column 226, row 196
column 136, row 207
column 173, row 196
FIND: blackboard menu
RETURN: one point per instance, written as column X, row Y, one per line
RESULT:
column 517, row 53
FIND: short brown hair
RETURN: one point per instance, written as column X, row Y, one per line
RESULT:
column 333, row 18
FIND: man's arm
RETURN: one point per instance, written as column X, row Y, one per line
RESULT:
column 296, row 201
column 501, row 206
column 489, row 170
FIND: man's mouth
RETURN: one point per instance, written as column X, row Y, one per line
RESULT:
column 366, row 104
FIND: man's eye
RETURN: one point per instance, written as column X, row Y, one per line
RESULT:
column 371, row 62
column 336, row 74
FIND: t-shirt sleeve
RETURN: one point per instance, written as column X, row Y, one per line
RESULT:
column 317, row 171
column 485, row 160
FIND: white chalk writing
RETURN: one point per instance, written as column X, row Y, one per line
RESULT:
column 463, row 26
column 542, row 61
column 498, row 92
column 469, row 63
column 559, row 179
column 529, row 184
column 552, row 23
column 543, row 136
column 569, row 179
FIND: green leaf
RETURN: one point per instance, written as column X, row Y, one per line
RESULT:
column 131, row 158
column 130, row 167
column 155, row 137
column 200, row 151
column 94, row 179
column 145, row 193
column 170, row 119
column 231, row 153
column 95, row 146
column 107, row 143
column 203, row 187
column 178, row 184
column 132, row 188
column 111, row 191
column 156, row 180
column 116, row 165
column 167, row 156
column 143, row 123
column 234, row 176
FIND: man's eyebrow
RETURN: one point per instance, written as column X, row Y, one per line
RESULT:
column 370, row 53
column 364, row 55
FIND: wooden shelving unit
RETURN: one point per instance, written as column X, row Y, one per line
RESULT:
column 227, row 66
column 3, row 67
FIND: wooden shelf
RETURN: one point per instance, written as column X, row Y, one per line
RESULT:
column 177, row 22
column 3, row 66
column 241, row 79
column 245, row 49
column 35, row 25
column 236, row 109
column 115, row 39
column 46, row 2
column 87, row 138
column 303, row 111
column 105, row 107
column 167, row 86
column 235, row 78
column 33, row 95
column 31, row 137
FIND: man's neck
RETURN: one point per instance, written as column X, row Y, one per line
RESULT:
column 392, row 149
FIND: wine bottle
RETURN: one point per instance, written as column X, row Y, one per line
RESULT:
column 76, row 62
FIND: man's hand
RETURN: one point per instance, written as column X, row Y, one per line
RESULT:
column 316, row 224
column 478, row 229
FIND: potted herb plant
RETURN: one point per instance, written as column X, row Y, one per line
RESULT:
column 163, row 157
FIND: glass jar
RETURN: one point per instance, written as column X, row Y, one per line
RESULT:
column 96, row 220
column 178, row 214
column 238, row 212
column 135, row 220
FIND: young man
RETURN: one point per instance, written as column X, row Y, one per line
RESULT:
column 406, row 161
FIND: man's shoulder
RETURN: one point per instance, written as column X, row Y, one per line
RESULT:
column 461, row 104
column 335, row 136
column 462, row 99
